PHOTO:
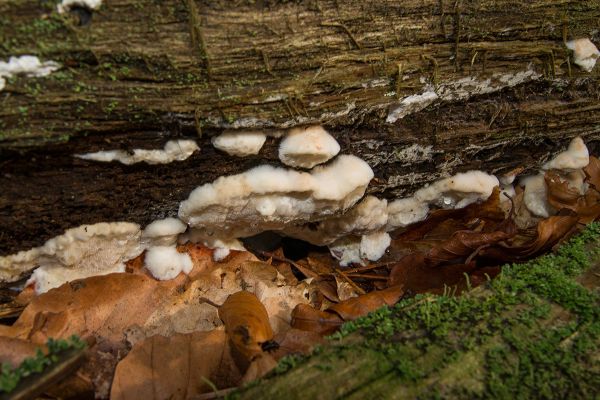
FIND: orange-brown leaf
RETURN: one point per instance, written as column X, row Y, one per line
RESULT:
column 246, row 323
column 362, row 305
column 307, row 318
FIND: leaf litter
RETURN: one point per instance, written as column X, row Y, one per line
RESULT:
column 228, row 323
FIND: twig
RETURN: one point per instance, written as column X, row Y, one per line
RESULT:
column 368, row 276
column 216, row 394
column 351, row 282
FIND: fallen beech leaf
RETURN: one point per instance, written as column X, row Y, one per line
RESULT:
column 246, row 323
column 592, row 172
column 177, row 367
column 362, row 305
column 307, row 318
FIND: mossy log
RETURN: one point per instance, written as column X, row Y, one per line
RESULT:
column 141, row 72
column 533, row 332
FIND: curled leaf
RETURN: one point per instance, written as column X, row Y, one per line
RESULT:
column 246, row 323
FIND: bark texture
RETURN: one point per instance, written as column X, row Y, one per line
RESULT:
column 139, row 73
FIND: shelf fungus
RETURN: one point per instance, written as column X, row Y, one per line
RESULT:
column 239, row 143
column 307, row 147
column 267, row 198
column 80, row 252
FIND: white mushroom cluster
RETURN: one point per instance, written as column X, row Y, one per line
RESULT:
column 66, row 5
column 324, row 206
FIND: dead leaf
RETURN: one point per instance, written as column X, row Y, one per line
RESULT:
column 307, row 318
column 592, row 172
column 177, row 367
column 246, row 323
column 362, row 305
column 296, row 341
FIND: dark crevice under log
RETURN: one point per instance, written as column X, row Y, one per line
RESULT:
column 144, row 72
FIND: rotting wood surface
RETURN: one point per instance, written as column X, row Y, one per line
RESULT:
column 143, row 72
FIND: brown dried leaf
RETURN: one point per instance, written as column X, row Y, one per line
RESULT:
column 362, row 305
column 246, row 323
column 14, row 351
column 306, row 318
column 592, row 172
column 177, row 367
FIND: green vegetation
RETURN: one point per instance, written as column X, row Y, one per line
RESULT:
column 10, row 377
column 533, row 332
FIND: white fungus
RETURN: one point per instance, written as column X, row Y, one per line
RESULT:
column 535, row 195
column 307, row 147
column 412, row 104
column 568, row 164
column 347, row 251
column 80, row 252
column 26, row 65
column 456, row 191
column 575, row 157
column 174, row 150
column 374, row 245
column 239, row 143
column 369, row 215
column 163, row 232
column 165, row 262
column 585, row 53
column 267, row 198
column 66, row 5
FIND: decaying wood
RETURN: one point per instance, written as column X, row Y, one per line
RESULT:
column 143, row 72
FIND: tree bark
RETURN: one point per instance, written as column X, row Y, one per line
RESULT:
column 143, row 72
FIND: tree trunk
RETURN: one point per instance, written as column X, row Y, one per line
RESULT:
column 142, row 72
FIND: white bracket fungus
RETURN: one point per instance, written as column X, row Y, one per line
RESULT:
column 78, row 253
column 27, row 65
column 585, row 53
column 239, row 143
column 162, row 232
column 307, row 147
column 456, row 191
column 352, row 250
column 267, row 198
column 66, row 5
column 165, row 262
column 174, row 150
column 575, row 157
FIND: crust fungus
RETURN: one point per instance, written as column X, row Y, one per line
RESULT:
column 307, row 147
column 585, row 53
column 27, row 65
column 239, row 143
column 78, row 253
column 174, row 150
